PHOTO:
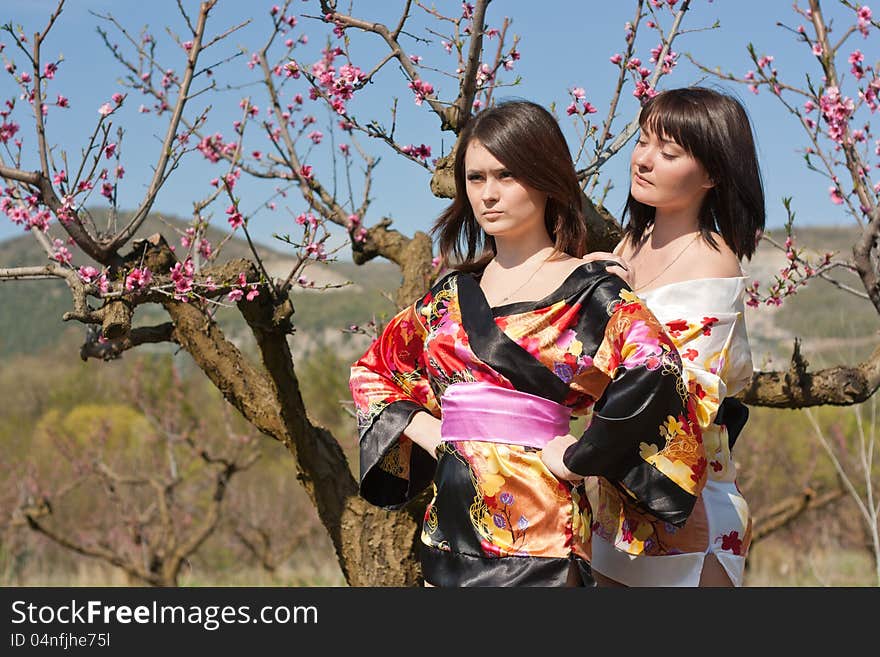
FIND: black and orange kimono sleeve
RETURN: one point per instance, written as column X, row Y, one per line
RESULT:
column 389, row 386
column 643, row 435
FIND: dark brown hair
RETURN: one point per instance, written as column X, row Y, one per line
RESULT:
column 714, row 129
column 526, row 139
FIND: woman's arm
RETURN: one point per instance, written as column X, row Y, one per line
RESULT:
column 424, row 431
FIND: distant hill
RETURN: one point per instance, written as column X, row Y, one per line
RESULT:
column 31, row 311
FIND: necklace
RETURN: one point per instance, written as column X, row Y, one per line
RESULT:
column 663, row 271
column 527, row 281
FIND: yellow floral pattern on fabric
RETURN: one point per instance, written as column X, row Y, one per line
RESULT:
column 715, row 360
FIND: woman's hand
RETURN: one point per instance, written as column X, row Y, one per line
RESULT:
column 623, row 269
column 552, row 457
column 424, row 431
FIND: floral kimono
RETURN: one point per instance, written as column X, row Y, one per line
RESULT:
column 504, row 381
column 705, row 318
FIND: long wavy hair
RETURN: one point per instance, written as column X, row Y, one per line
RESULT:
column 714, row 129
column 526, row 139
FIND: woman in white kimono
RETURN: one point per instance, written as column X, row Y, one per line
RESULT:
column 695, row 209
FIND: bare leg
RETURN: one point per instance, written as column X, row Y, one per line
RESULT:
column 713, row 574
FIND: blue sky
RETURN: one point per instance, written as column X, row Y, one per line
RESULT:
column 564, row 43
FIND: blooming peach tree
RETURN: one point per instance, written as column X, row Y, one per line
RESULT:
column 329, row 172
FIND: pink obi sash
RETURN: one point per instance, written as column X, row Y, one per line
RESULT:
column 488, row 412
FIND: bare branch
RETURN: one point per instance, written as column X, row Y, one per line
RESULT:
column 797, row 388
column 159, row 174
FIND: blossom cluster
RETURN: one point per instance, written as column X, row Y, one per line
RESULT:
column 794, row 275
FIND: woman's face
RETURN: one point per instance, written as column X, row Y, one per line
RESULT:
column 503, row 206
column 664, row 176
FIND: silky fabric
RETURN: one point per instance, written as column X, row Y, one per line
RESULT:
column 482, row 411
column 706, row 320
column 498, row 516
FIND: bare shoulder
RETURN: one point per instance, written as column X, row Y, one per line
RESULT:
column 707, row 261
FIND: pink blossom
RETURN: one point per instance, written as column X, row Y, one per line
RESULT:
column 344, row 148
column 7, row 130
column 316, row 250
column 109, row 150
column 836, row 198
column 182, row 276
column 187, row 45
column 49, row 70
column 205, row 249
column 39, row 221
column 87, row 274
column 253, row 294
column 589, row 109
column 817, row 49
column 856, row 58
column 765, row 61
column 836, row 110
column 62, row 101
column 864, row 22
column 422, row 151
column 117, row 98
column 61, row 253
column 415, row 59
column 107, row 190
column 643, row 90
column 105, row 109
column 235, row 219
column 309, row 219
column 578, row 93
column 59, row 177
column 316, row 136
column 421, row 89
column 353, row 220
column 138, row 279
column 235, row 295
column 25, row 77
column 809, row 106
column 571, row 109
column 306, row 171
column 120, row 172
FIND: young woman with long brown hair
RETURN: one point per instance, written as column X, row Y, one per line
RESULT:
column 472, row 388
